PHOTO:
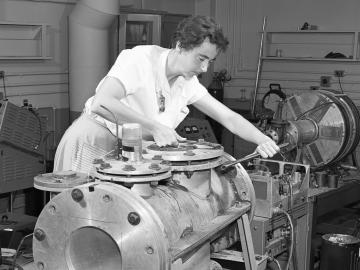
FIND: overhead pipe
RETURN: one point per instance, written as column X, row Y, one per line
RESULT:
column 89, row 24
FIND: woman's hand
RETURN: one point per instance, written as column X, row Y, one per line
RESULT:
column 268, row 148
column 164, row 136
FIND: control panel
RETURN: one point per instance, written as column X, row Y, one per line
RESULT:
column 195, row 129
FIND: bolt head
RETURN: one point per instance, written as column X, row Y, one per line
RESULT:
column 134, row 218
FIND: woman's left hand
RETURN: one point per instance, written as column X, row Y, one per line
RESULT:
column 267, row 148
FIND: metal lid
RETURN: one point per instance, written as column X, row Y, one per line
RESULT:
column 341, row 239
column 60, row 180
column 143, row 171
column 185, row 151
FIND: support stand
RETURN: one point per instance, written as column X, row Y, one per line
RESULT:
column 247, row 256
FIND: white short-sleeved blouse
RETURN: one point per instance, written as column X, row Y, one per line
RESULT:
column 142, row 72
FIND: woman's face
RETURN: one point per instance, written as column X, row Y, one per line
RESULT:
column 198, row 59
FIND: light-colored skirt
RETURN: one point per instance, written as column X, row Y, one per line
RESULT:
column 85, row 140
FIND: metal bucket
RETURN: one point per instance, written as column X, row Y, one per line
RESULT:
column 339, row 251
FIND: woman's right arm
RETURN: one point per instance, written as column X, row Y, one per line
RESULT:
column 109, row 94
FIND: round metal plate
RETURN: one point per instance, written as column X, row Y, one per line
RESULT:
column 142, row 171
column 130, row 179
column 180, row 166
column 106, row 229
column 333, row 117
column 185, row 151
column 58, row 181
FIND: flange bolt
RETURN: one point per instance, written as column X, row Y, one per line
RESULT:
column 39, row 234
column 77, row 195
column 133, row 218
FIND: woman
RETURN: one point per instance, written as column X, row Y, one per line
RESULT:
column 152, row 86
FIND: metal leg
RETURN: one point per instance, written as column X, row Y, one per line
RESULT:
column 246, row 243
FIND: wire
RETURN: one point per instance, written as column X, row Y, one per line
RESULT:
column 277, row 263
column 342, row 91
column 17, row 251
column 279, row 210
column 10, row 263
column 40, row 126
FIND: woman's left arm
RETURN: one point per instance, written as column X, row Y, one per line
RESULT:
column 237, row 124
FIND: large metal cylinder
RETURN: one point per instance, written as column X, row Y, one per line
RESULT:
column 105, row 225
column 324, row 125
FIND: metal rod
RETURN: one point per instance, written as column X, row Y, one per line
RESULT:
column 258, row 70
column 224, row 167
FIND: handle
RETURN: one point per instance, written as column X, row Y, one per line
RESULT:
column 225, row 167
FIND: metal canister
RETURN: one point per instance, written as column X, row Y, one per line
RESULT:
column 321, row 178
column 333, row 180
column 339, row 251
column 132, row 142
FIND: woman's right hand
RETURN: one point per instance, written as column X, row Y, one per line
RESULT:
column 164, row 136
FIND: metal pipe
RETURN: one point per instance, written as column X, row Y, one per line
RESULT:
column 259, row 64
column 89, row 23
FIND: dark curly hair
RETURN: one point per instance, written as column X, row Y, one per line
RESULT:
column 193, row 30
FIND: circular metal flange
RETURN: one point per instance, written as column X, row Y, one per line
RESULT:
column 337, row 129
column 185, row 151
column 106, row 229
column 352, row 117
column 197, row 165
column 143, row 171
column 242, row 184
column 60, row 180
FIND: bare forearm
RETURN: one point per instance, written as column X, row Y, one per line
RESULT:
column 121, row 113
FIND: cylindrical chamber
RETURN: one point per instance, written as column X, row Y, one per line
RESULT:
column 303, row 131
column 131, row 232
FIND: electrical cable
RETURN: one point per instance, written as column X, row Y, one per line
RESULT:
column 40, row 125
column 17, row 252
column 277, row 263
column 11, row 265
column 342, row 91
column 294, row 258
column 278, row 210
